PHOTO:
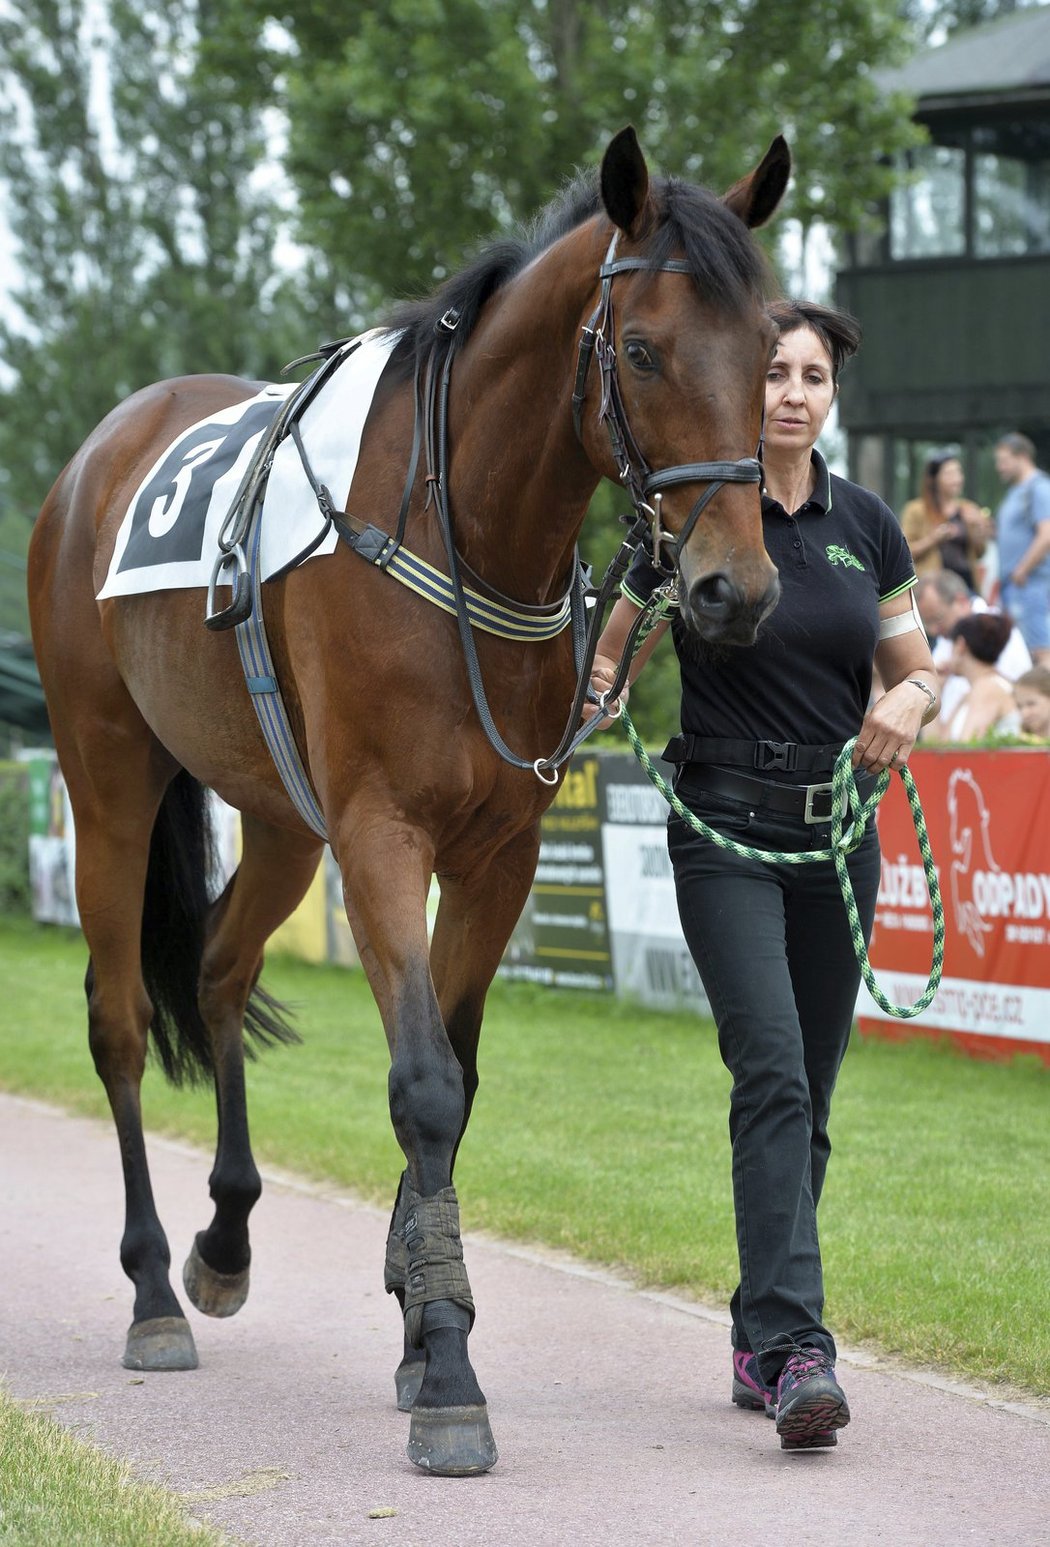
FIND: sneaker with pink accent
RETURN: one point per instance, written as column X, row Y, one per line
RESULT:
column 811, row 1404
column 748, row 1388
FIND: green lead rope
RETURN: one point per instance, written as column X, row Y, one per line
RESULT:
column 845, row 797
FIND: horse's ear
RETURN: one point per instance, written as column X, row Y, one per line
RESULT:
column 755, row 197
column 625, row 181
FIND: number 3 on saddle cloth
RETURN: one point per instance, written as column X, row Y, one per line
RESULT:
column 169, row 535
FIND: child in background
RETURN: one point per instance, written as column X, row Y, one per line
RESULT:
column 1032, row 697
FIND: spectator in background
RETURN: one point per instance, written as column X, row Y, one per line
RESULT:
column 988, row 709
column 1023, row 525
column 1032, row 697
column 943, row 530
column 942, row 601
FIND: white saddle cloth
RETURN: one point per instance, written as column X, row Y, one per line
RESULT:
column 169, row 537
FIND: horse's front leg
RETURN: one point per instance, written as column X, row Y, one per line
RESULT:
column 274, row 873
column 432, row 1082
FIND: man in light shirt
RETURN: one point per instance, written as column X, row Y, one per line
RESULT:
column 1023, row 527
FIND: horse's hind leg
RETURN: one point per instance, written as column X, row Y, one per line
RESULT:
column 275, row 871
column 115, row 806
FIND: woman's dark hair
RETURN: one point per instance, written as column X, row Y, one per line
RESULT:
column 838, row 331
column 984, row 634
column 934, row 462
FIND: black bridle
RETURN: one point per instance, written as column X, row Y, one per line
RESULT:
column 633, row 470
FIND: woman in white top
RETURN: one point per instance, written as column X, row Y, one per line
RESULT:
column 988, row 708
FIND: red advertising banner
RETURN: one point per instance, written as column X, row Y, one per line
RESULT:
column 986, row 815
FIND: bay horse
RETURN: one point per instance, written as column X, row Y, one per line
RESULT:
column 663, row 283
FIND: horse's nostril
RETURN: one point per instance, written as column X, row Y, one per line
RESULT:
column 715, row 597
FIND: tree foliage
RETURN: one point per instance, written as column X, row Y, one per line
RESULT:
column 131, row 152
column 419, row 125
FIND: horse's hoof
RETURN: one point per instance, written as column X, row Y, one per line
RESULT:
column 452, row 1441
column 216, row 1294
column 165, row 1343
column 408, row 1377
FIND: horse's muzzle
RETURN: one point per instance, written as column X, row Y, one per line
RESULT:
column 716, row 609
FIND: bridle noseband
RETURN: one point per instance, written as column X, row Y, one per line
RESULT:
column 634, row 472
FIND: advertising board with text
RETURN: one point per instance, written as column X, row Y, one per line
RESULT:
column 602, row 913
column 985, row 813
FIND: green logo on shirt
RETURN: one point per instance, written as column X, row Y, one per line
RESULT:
column 839, row 555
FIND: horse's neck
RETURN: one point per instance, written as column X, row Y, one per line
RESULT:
column 520, row 481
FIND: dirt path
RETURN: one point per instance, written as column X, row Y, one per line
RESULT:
column 609, row 1405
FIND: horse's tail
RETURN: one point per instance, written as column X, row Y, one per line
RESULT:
column 174, row 920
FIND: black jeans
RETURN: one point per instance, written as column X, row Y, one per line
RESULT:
column 773, row 947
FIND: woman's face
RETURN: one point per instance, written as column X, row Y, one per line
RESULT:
column 948, row 479
column 800, row 390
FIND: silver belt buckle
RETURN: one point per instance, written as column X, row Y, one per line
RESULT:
column 812, row 792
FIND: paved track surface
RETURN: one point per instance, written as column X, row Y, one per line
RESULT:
column 610, row 1406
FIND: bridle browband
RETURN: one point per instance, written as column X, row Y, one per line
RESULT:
column 632, row 468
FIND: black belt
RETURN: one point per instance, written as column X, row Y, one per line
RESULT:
column 764, row 756
column 812, row 802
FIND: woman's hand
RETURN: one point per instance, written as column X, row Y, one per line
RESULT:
column 603, row 675
column 890, row 729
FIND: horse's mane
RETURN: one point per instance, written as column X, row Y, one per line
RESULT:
column 728, row 265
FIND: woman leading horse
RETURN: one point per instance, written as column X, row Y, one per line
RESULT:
column 642, row 300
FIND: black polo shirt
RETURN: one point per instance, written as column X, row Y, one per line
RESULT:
column 807, row 677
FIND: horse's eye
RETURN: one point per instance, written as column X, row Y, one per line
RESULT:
column 638, row 356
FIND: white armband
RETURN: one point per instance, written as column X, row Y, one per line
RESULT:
column 903, row 623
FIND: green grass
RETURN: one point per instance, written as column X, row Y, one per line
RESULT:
column 56, row 1491
column 602, row 1128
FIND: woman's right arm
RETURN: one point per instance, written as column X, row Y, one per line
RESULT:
column 611, row 647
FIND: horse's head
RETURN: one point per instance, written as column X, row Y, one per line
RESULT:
column 683, row 343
